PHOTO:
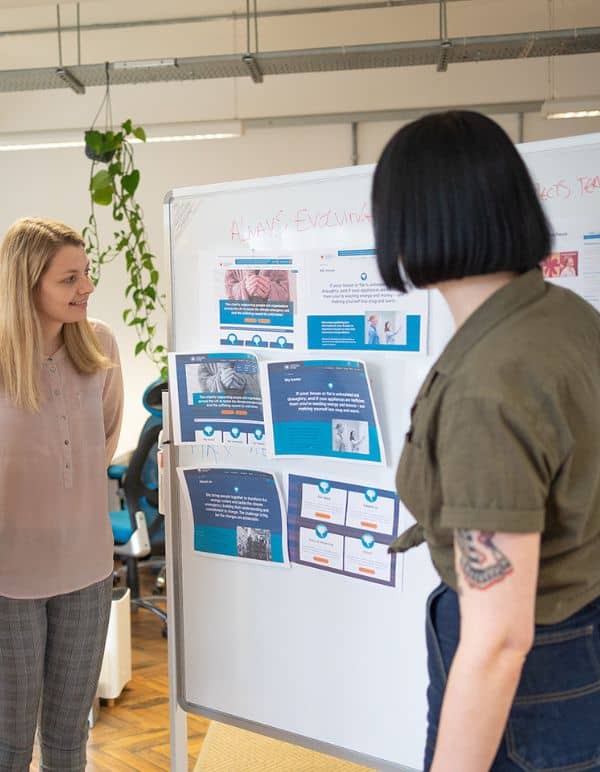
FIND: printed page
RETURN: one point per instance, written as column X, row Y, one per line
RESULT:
column 343, row 528
column 216, row 399
column 237, row 514
column 257, row 301
column 575, row 259
column 349, row 308
column 322, row 408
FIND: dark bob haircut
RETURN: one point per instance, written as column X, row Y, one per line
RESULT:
column 452, row 198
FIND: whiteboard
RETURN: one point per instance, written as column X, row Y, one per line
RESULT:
column 567, row 176
column 318, row 659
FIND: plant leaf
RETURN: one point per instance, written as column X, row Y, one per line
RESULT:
column 139, row 133
column 112, row 140
column 131, row 181
column 100, row 180
column 101, row 188
column 103, row 196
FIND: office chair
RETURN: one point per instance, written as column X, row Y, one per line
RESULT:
column 138, row 528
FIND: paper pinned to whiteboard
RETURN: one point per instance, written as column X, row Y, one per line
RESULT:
column 238, row 514
column 216, row 399
column 321, row 408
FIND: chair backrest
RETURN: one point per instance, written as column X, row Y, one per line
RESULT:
column 135, row 487
column 140, row 485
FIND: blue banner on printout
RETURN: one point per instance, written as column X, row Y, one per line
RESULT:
column 352, row 333
column 247, row 313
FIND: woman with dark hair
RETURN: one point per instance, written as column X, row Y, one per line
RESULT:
column 501, row 463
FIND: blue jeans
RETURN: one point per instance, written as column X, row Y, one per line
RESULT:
column 554, row 723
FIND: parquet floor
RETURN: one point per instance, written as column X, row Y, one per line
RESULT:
column 134, row 733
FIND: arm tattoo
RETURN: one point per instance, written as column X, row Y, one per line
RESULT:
column 482, row 563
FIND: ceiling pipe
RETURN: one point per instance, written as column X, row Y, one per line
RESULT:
column 400, row 115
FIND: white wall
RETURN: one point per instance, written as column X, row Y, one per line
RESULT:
column 54, row 182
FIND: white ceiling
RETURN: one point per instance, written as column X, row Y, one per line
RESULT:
column 135, row 9
column 204, row 7
column 26, row 3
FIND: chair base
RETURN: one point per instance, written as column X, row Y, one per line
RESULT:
column 147, row 604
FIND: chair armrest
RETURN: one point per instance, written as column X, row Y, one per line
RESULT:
column 138, row 545
column 116, row 471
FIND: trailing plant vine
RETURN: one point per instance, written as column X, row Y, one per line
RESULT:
column 114, row 181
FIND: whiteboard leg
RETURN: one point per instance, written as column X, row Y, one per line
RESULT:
column 178, row 738
column 177, row 716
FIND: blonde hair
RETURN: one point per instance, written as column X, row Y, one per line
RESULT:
column 25, row 254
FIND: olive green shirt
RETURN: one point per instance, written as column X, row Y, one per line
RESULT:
column 505, row 436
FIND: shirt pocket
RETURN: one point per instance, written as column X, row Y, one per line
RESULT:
column 420, row 412
column 415, row 435
column 412, row 469
column 554, row 724
column 414, row 477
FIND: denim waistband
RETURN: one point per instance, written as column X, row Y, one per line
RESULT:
column 443, row 600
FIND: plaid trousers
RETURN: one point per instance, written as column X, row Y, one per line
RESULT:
column 50, row 648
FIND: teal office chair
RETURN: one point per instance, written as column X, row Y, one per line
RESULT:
column 138, row 527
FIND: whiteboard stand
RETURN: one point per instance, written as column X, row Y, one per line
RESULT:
column 177, row 717
column 223, row 631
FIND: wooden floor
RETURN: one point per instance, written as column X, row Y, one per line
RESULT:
column 134, row 733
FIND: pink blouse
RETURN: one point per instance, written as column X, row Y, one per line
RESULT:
column 55, row 533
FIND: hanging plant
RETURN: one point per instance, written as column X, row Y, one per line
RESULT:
column 114, row 181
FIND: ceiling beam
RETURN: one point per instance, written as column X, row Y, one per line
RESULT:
column 405, row 54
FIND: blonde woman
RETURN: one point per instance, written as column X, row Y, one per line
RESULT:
column 61, row 402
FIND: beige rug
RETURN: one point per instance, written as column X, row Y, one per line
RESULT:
column 229, row 749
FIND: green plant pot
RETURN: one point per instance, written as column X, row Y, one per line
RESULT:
column 94, row 156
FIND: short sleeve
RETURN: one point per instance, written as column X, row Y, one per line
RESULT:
column 495, row 467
